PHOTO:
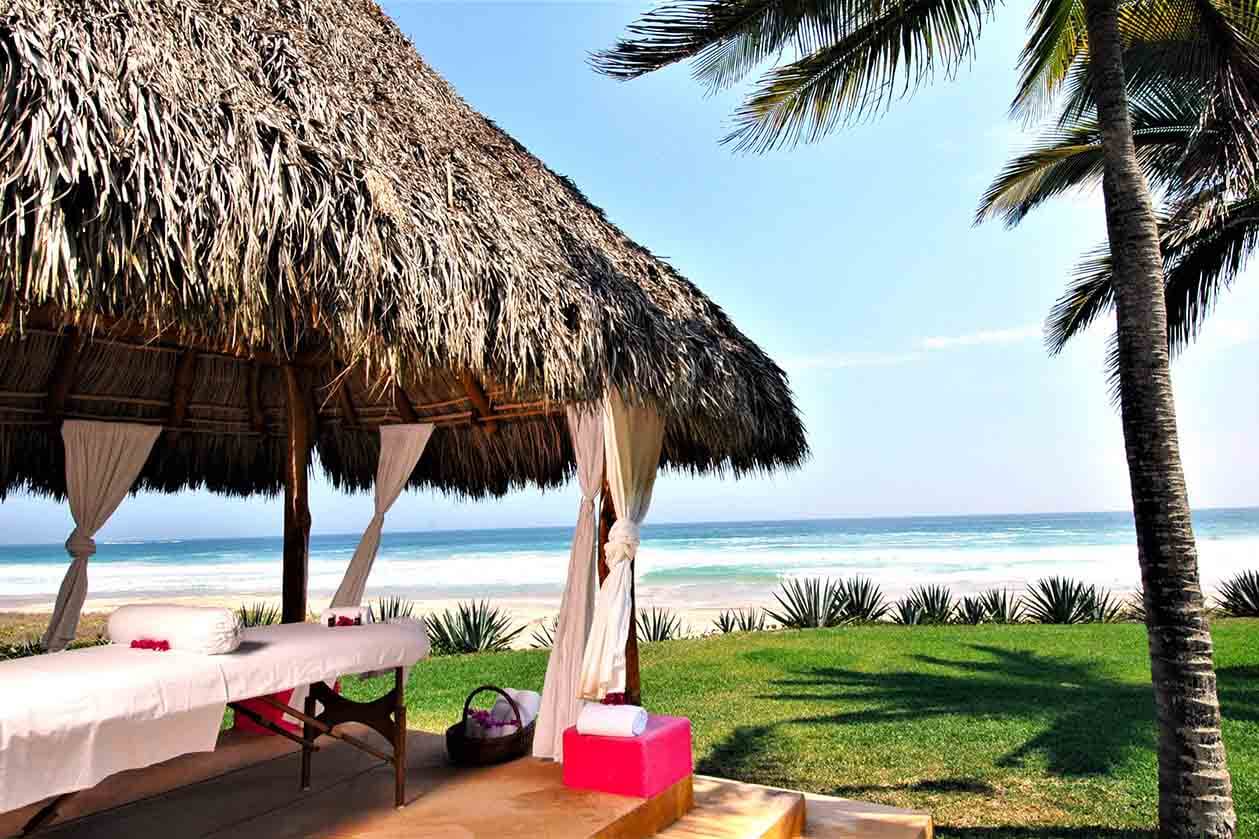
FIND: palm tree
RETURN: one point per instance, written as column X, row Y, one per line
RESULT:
column 846, row 59
column 1208, row 222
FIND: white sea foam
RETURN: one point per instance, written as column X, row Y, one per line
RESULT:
column 709, row 562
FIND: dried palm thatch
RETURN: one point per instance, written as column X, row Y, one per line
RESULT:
column 195, row 193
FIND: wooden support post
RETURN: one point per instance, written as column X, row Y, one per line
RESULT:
column 181, row 393
column 633, row 679
column 62, row 378
column 480, row 400
column 296, row 500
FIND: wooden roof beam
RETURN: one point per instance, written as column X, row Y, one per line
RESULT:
column 257, row 419
column 181, row 392
column 402, row 405
column 481, row 407
column 61, row 380
column 345, row 405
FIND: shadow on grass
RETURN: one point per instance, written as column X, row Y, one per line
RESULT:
column 1239, row 692
column 957, row 785
column 1090, row 722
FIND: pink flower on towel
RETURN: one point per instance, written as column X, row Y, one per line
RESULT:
column 614, row 699
column 150, row 644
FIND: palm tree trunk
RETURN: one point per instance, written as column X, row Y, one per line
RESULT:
column 1195, row 790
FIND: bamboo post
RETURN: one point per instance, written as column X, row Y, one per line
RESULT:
column 296, row 500
column 633, row 680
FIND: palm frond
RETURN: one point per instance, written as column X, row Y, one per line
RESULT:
column 1058, row 34
column 1203, row 261
column 1090, row 294
column 726, row 38
column 884, row 51
column 1070, row 157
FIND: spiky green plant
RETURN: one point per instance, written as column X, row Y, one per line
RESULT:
column 726, row 622
column 391, row 608
column 1002, row 606
column 1105, row 607
column 544, row 634
column 938, row 605
column 1135, row 606
column 907, row 611
column 750, row 619
column 972, row 611
column 259, row 613
column 471, row 627
column 659, row 625
column 863, row 600
column 1239, row 596
column 25, row 648
column 809, row 603
column 1059, row 600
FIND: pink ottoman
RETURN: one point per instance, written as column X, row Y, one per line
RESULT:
column 641, row 766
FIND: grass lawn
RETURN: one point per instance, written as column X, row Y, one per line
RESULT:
column 1024, row 731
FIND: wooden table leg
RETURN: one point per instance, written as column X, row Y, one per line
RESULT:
column 309, row 734
column 399, row 738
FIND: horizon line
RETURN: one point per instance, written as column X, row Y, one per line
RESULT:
column 646, row 525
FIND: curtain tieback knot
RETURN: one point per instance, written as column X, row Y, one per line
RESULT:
column 80, row 546
column 622, row 542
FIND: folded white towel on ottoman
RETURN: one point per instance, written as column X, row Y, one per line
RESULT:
column 611, row 720
column 210, row 630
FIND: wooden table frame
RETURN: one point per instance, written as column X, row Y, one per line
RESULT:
column 386, row 715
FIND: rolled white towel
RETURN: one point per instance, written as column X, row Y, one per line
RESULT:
column 210, row 630
column 529, row 701
column 352, row 612
column 611, row 720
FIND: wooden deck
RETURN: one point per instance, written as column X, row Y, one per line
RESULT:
column 249, row 787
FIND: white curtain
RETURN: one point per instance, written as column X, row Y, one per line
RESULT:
column 632, row 437
column 560, row 702
column 103, row 460
column 400, row 449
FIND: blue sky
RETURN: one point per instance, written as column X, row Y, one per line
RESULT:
column 911, row 337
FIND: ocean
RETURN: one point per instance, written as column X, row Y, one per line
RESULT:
column 717, row 560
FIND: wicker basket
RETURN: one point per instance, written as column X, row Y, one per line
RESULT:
column 477, row 751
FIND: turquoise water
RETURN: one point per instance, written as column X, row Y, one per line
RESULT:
column 965, row 551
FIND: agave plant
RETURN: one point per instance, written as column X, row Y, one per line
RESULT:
column 750, row 619
column 1239, row 597
column 1106, row 608
column 1059, row 600
column 907, row 611
column 659, row 625
column 863, row 600
column 972, row 611
column 938, row 605
column 471, row 627
column 260, row 613
column 1135, row 606
column 809, row 604
column 543, row 635
column 391, row 608
column 21, row 649
column 1002, row 606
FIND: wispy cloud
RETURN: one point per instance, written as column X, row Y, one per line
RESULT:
column 983, row 338
column 922, row 348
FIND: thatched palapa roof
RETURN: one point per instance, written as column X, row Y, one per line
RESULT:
column 197, row 192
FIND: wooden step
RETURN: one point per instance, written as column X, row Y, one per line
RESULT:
column 732, row 810
column 841, row 818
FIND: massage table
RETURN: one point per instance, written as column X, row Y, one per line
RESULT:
column 70, row 719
